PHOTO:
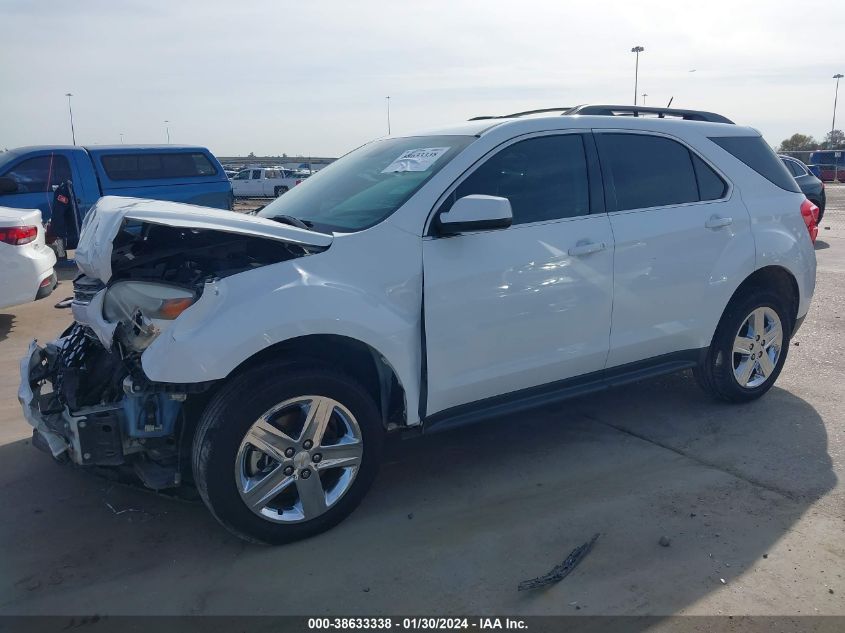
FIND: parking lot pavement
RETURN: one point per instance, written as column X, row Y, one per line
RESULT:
column 750, row 498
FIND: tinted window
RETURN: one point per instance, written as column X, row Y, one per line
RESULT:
column 753, row 151
column 40, row 174
column 710, row 184
column 256, row 174
column 648, row 171
column 157, row 166
column 795, row 168
column 244, row 175
column 544, row 178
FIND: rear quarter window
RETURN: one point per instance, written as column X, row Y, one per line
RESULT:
column 148, row 166
column 754, row 152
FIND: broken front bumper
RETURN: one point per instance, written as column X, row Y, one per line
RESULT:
column 89, row 436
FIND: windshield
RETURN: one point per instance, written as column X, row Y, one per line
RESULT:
column 367, row 185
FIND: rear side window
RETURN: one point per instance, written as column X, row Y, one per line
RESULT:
column 710, row 184
column 794, row 168
column 40, row 174
column 648, row 171
column 753, row 151
column 157, row 166
column 545, row 178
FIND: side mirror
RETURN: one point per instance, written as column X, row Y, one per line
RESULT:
column 7, row 185
column 476, row 213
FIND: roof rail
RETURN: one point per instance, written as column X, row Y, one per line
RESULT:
column 636, row 111
column 620, row 110
column 515, row 115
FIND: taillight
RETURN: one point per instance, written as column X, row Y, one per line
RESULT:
column 18, row 235
column 299, row 180
column 810, row 213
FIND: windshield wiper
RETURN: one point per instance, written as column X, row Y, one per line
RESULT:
column 289, row 219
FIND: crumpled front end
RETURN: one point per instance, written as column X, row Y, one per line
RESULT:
column 93, row 406
column 144, row 264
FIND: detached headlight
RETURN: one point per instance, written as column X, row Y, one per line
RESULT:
column 154, row 301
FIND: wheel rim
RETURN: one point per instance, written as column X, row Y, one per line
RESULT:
column 757, row 347
column 299, row 459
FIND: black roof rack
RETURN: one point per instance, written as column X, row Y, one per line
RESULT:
column 515, row 115
column 621, row 110
column 673, row 113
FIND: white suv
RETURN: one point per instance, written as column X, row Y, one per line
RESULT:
column 420, row 282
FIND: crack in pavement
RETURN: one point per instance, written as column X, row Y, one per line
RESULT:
column 790, row 496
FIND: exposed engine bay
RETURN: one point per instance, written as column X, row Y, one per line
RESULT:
column 86, row 393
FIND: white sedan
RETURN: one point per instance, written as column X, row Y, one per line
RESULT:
column 26, row 262
column 264, row 182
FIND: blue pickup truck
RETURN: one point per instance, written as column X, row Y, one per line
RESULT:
column 29, row 175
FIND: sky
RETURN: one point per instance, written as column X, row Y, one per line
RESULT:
column 310, row 77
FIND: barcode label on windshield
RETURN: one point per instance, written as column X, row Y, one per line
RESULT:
column 416, row 159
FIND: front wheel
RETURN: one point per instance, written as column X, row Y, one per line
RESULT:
column 285, row 452
column 748, row 350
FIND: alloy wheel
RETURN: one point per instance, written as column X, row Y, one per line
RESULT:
column 298, row 459
column 757, row 347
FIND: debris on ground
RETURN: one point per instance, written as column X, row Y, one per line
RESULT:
column 722, row 580
column 765, row 555
column 664, row 541
column 410, row 515
column 559, row 572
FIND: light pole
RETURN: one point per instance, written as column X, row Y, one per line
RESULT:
column 388, row 115
column 167, row 129
column 837, row 77
column 121, row 138
column 70, row 111
column 637, row 50
column 644, row 95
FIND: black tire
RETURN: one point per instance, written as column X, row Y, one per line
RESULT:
column 280, row 190
column 715, row 374
column 231, row 413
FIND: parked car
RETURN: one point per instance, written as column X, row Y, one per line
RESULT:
column 417, row 284
column 26, row 262
column 810, row 185
column 263, row 182
column 28, row 175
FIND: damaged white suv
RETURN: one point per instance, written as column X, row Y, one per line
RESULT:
column 419, row 283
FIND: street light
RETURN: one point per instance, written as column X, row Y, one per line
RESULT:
column 637, row 50
column 70, row 111
column 644, row 95
column 837, row 77
column 388, row 115
column 121, row 138
column 167, row 129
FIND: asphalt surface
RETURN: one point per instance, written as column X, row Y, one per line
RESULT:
column 750, row 499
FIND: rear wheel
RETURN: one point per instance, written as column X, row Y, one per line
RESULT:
column 280, row 190
column 285, row 452
column 748, row 350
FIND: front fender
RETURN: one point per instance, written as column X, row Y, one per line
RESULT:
column 347, row 290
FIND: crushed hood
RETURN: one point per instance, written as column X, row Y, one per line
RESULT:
column 103, row 223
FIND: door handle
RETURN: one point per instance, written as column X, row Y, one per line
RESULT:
column 586, row 248
column 715, row 222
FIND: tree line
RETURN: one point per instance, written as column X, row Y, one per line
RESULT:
column 835, row 139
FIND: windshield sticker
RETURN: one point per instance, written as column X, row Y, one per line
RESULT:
column 416, row 159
